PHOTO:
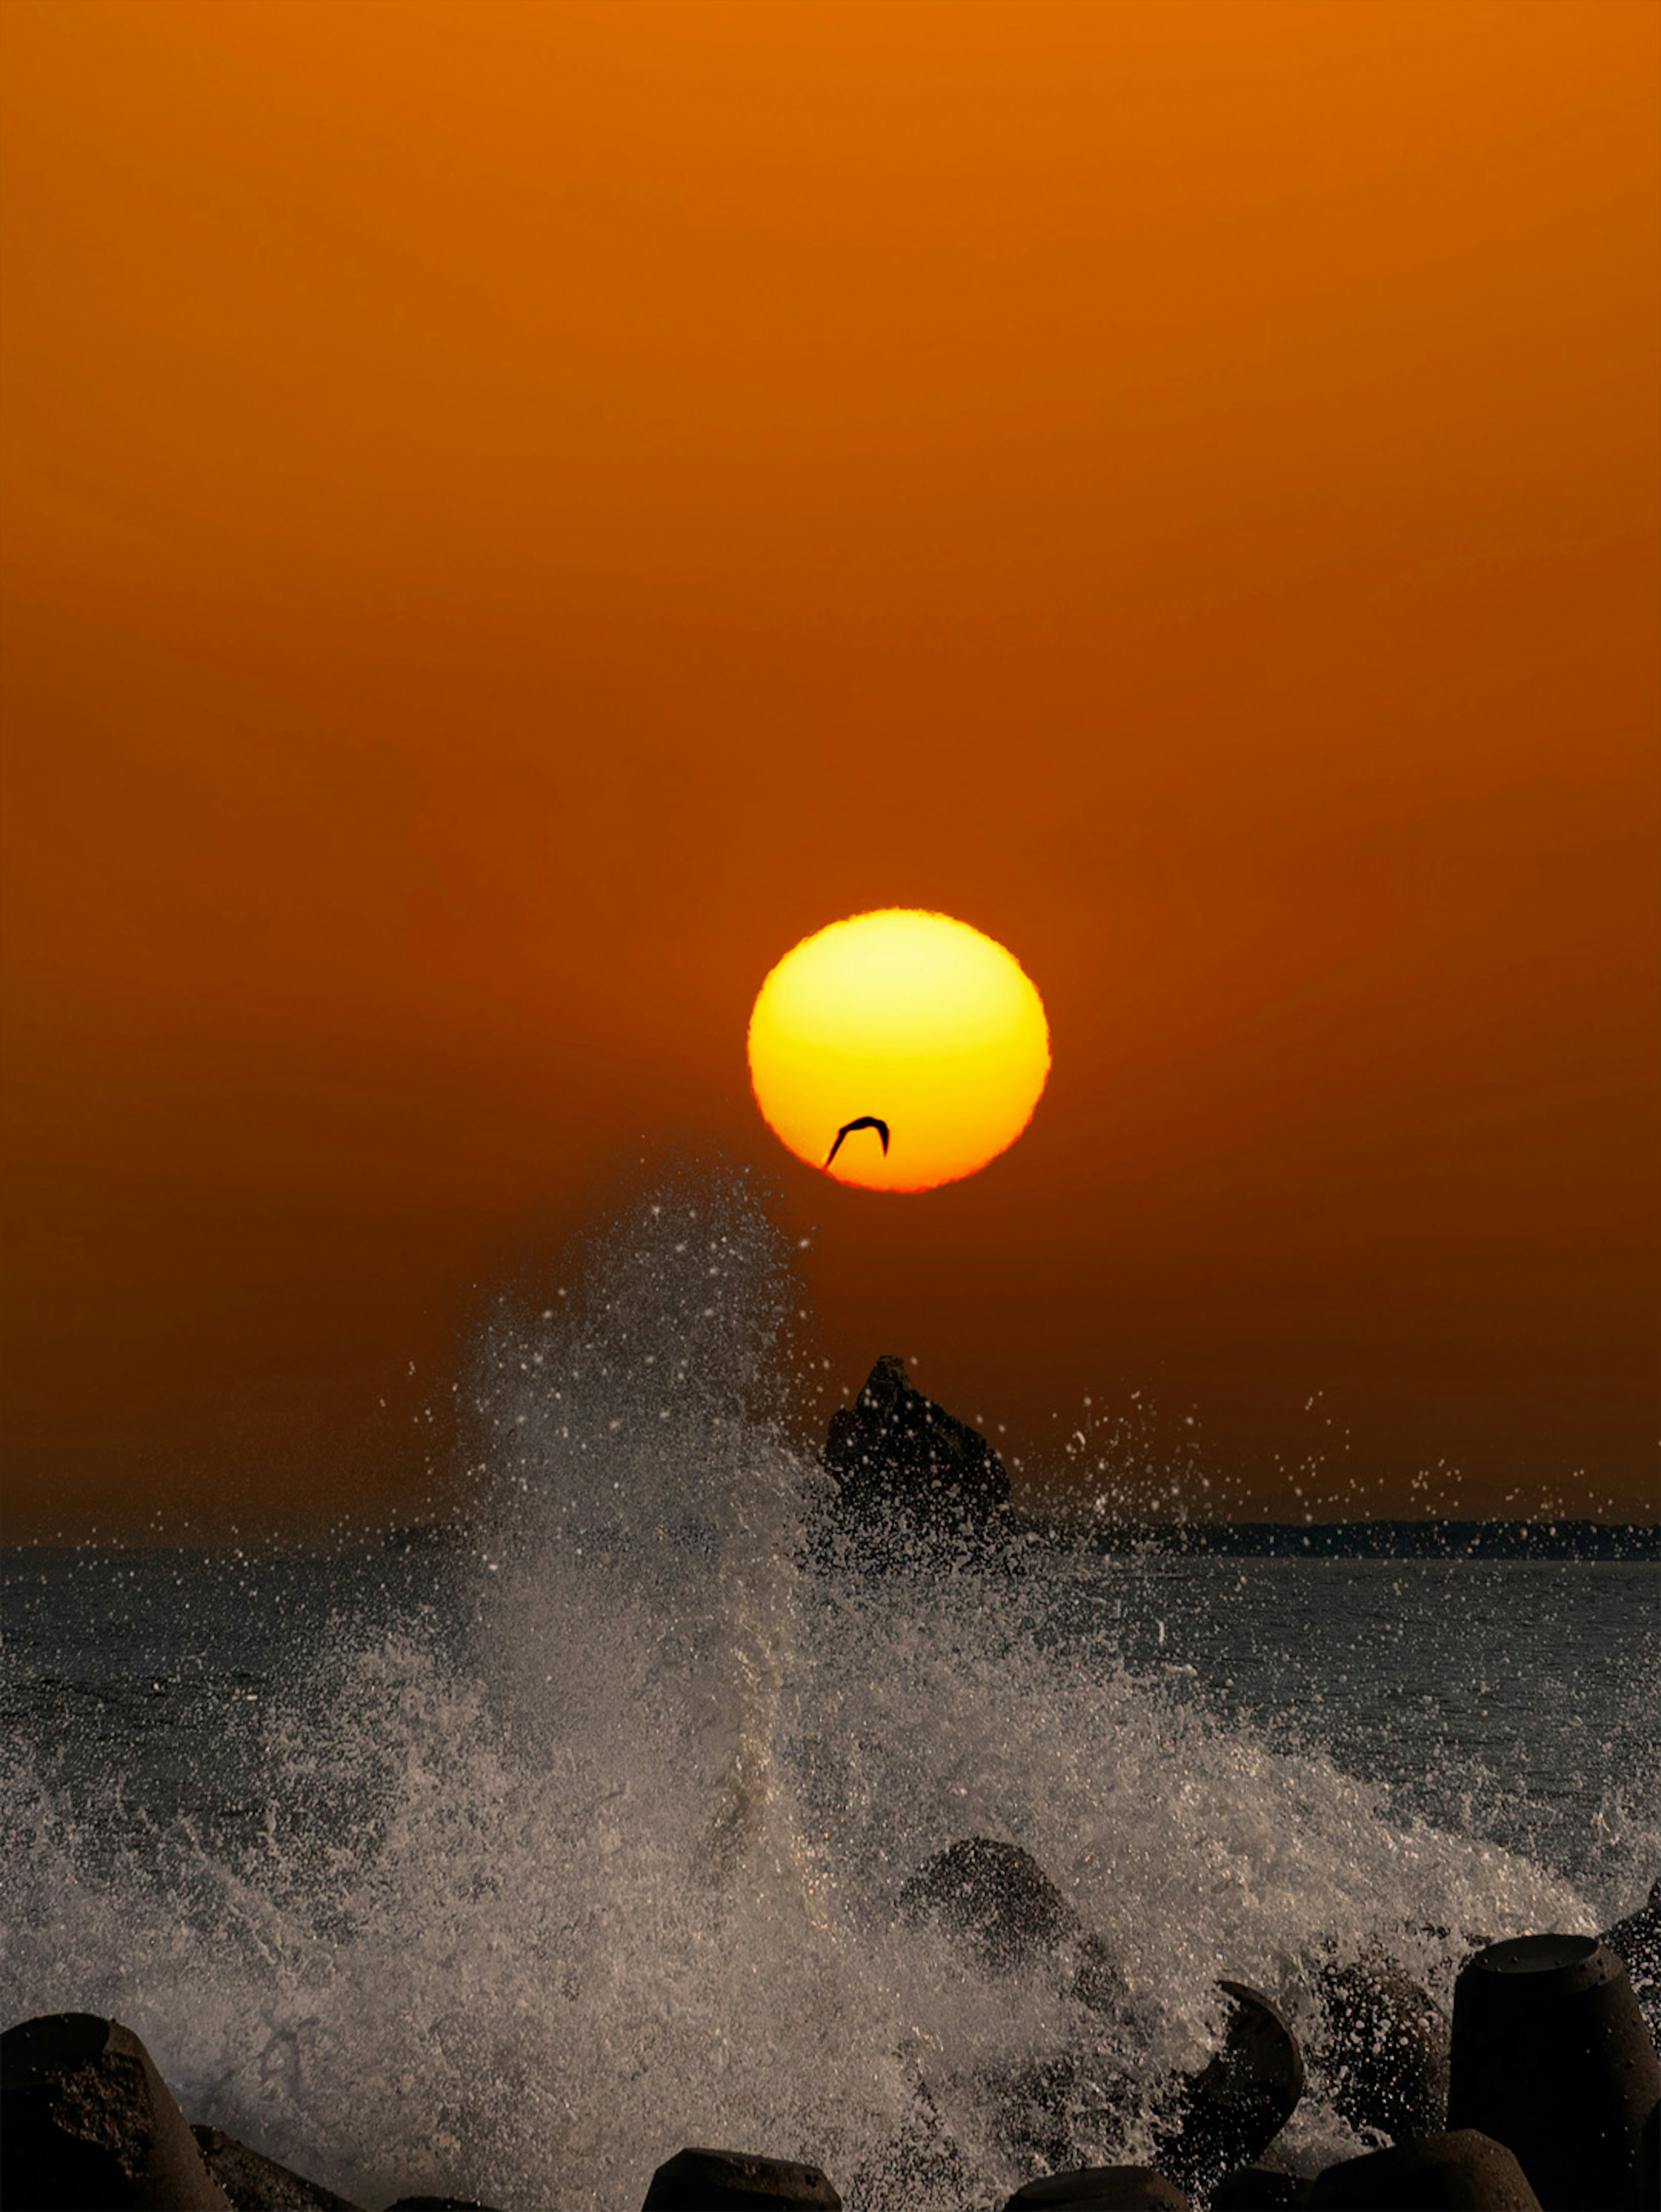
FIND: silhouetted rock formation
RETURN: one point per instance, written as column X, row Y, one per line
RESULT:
column 907, row 1470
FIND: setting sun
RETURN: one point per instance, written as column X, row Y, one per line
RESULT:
column 898, row 1050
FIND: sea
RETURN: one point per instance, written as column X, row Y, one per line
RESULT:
column 503, row 1858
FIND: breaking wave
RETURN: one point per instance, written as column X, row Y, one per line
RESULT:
column 542, row 1855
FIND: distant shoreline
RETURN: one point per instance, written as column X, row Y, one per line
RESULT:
column 1374, row 1540
column 1619, row 1540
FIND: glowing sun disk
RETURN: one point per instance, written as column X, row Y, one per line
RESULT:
column 904, row 1020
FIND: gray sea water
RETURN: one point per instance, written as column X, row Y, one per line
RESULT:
column 505, row 1868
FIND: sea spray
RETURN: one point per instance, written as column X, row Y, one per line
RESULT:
column 536, row 1857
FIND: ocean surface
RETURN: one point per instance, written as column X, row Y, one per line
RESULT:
column 506, row 1867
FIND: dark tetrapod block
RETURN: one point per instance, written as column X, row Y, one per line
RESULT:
column 90, row 2126
column 1100, row 2189
column 255, row 2183
column 1551, row 2056
column 737, row 2181
column 1230, row 2112
column 1462, row 2172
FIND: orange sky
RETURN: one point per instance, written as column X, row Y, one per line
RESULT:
column 514, row 514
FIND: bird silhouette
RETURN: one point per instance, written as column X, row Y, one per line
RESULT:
column 865, row 1122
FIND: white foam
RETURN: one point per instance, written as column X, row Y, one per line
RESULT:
column 619, row 1873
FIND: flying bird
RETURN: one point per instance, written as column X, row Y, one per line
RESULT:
column 865, row 1122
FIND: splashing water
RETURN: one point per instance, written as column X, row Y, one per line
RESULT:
column 587, row 1846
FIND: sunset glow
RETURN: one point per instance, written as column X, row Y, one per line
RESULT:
column 513, row 514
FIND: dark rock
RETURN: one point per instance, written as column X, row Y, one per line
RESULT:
column 1226, row 2115
column 255, row 2183
column 1004, row 1913
column 905, row 1469
column 736, row 2181
column 1464, row 2171
column 89, row 2123
column 1552, row 2058
column 1100, row 2189
column 1636, row 1942
column 1261, row 2188
column 1382, row 2046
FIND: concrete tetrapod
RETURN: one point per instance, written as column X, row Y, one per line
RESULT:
column 1551, row 2056
column 1464, row 2171
column 996, row 1902
column 428, row 2204
column 737, row 2181
column 255, row 2183
column 1100, row 2188
column 1003, row 1915
column 1381, row 2049
column 90, row 2126
column 1231, row 2111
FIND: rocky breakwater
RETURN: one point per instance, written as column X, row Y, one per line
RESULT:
column 909, row 1477
column 1543, row 2091
column 1555, row 2090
